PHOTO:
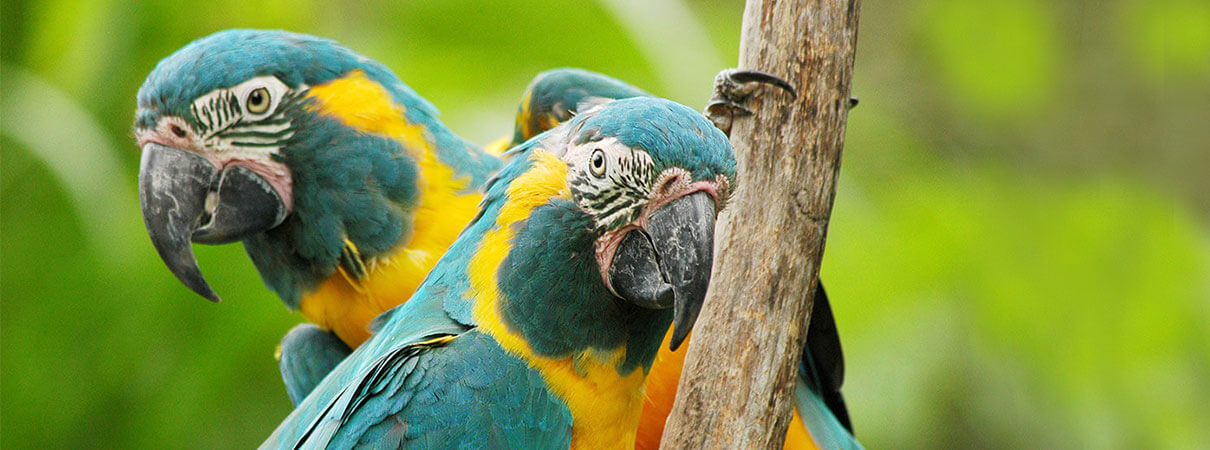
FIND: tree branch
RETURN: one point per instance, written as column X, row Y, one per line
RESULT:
column 737, row 384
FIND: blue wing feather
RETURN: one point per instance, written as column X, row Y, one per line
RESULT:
column 395, row 388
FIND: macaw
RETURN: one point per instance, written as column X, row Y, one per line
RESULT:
column 341, row 182
column 538, row 326
column 821, row 419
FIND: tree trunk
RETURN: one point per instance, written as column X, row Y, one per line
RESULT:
column 737, row 387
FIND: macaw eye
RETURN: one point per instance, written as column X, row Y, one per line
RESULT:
column 597, row 163
column 258, row 101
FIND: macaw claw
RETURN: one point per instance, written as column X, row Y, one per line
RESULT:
column 746, row 77
column 733, row 87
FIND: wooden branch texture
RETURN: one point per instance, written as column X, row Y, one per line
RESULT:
column 738, row 382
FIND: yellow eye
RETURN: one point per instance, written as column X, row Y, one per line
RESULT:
column 258, row 101
column 597, row 163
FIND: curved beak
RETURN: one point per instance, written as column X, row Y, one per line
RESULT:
column 668, row 264
column 185, row 198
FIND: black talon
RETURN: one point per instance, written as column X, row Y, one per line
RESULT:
column 744, row 76
column 853, row 102
column 731, row 88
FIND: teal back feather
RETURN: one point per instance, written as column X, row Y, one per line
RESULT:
column 821, row 423
column 820, row 376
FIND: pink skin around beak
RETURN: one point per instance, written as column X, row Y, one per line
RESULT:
column 673, row 184
column 192, row 193
column 173, row 132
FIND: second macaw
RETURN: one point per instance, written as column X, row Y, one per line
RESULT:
column 537, row 328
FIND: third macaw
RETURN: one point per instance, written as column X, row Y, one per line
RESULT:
column 538, row 327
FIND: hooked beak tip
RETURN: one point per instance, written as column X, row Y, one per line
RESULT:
column 210, row 296
column 668, row 264
column 174, row 188
column 687, row 236
column 172, row 191
column 678, row 337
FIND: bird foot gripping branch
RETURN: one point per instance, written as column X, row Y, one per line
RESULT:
column 733, row 87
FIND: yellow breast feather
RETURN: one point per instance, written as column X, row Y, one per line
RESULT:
column 605, row 406
column 346, row 305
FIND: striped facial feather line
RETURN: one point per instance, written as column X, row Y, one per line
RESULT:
column 252, row 135
column 224, row 123
column 617, row 197
column 215, row 112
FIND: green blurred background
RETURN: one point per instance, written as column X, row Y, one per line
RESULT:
column 1018, row 257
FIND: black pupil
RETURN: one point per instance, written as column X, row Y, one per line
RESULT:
column 598, row 160
column 256, row 98
column 178, row 131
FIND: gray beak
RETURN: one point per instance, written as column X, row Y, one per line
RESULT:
column 669, row 264
column 185, row 198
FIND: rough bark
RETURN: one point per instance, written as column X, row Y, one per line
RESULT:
column 736, row 390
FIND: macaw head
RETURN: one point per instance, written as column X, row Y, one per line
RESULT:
column 554, row 96
column 620, row 238
column 250, row 135
column 654, row 175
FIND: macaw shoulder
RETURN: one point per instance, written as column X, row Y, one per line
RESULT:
column 448, row 199
column 377, row 102
column 544, row 178
column 365, row 104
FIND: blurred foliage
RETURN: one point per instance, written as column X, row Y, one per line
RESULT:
column 1018, row 255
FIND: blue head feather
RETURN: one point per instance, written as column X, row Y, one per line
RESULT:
column 557, row 94
column 673, row 134
column 228, row 57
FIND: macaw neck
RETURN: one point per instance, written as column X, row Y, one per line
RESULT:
column 536, row 289
column 553, row 296
column 534, row 272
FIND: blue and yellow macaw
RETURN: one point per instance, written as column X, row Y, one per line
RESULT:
column 821, row 419
column 537, row 328
column 330, row 127
column 341, row 182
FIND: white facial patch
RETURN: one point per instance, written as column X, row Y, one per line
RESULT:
column 227, row 124
column 613, row 194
